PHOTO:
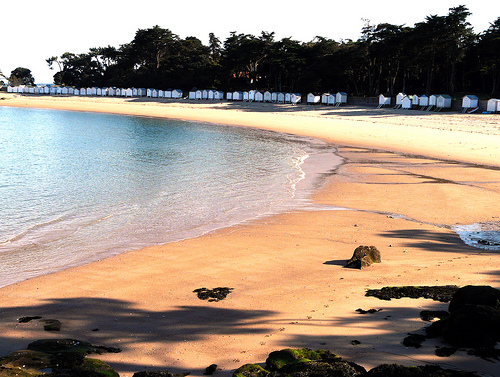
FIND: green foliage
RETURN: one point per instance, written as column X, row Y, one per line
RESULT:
column 438, row 55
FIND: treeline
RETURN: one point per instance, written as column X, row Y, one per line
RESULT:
column 441, row 54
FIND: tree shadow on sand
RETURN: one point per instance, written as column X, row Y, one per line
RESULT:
column 431, row 241
column 382, row 341
column 118, row 323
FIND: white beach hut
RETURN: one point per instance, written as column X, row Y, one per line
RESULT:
column 128, row 92
column 237, row 96
column 267, row 96
column 443, row 101
column 83, row 91
column 10, row 89
column 331, row 99
column 219, row 95
column 399, row 100
column 64, row 90
column 204, row 94
column 168, row 93
column 432, row 102
column 37, row 89
column 31, row 90
column 259, row 97
column 281, row 97
column 341, row 98
column 154, row 93
column 46, row 90
column 288, row 97
column 406, row 103
column 296, row 98
column 251, row 95
column 415, row 100
column 99, row 91
column 192, row 94
column 274, row 97
column 493, row 105
column 161, row 93
column 77, row 92
column 324, row 98
column 469, row 102
column 177, row 93
column 246, row 96
column 211, row 94
column 199, row 94
column 229, row 96
column 383, row 101
column 423, row 101
column 313, row 99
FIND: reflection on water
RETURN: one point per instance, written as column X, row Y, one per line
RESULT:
column 78, row 187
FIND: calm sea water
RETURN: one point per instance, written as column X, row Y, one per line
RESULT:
column 78, row 187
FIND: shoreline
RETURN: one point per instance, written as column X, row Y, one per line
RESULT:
column 290, row 287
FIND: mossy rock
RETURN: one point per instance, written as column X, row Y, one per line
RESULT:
column 323, row 368
column 250, row 370
column 279, row 359
column 23, row 363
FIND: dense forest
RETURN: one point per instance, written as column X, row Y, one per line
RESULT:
column 441, row 54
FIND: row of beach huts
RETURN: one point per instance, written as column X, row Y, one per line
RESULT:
column 470, row 103
column 195, row 94
column 438, row 102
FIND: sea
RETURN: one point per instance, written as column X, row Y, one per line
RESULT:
column 77, row 187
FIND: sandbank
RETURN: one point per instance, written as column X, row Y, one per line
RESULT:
column 407, row 177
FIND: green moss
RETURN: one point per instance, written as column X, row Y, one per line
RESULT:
column 250, row 370
column 279, row 359
column 95, row 365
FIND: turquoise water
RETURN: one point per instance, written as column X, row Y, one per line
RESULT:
column 79, row 187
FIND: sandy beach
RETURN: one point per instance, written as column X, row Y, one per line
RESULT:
column 407, row 177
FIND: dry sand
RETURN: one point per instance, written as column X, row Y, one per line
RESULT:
column 290, row 287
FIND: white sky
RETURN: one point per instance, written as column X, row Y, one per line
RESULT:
column 34, row 30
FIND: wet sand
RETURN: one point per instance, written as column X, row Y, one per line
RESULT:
column 406, row 178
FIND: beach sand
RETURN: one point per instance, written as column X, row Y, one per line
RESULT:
column 407, row 177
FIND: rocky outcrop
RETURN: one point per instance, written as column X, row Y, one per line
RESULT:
column 364, row 256
column 474, row 319
column 437, row 293
column 309, row 363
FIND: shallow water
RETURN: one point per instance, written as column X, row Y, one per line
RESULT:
column 78, row 187
column 484, row 236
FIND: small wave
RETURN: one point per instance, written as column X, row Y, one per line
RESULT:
column 484, row 236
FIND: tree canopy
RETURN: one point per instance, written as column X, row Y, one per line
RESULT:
column 441, row 54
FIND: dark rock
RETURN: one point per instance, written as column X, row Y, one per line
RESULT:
column 51, row 324
column 474, row 295
column 445, row 351
column 89, row 368
column 355, row 342
column 210, row 369
column 364, row 256
column 396, row 370
column 215, row 294
column 319, row 368
column 414, row 340
column 488, row 353
column 436, row 293
column 369, row 311
column 28, row 318
column 159, row 374
column 471, row 326
column 429, row 315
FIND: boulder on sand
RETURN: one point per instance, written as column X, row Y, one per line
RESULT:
column 364, row 256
